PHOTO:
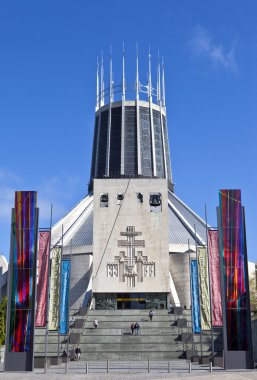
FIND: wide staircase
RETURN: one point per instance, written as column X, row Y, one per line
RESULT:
column 167, row 337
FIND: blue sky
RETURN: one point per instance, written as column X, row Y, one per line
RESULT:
column 48, row 55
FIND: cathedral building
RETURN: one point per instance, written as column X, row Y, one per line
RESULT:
column 131, row 238
column 129, row 247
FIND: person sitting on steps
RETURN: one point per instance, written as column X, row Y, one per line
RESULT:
column 151, row 315
column 78, row 352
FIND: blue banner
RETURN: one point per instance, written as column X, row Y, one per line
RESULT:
column 64, row 297
column 195, row 297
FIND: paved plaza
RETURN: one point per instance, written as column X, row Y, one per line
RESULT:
column 131, row 370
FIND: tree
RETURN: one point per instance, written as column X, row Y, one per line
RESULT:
column 3, row 310
column 253, row 294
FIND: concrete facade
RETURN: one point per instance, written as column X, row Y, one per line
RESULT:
column 80, row 287
column 111, row 265
column 179, row 269
column 82, row 220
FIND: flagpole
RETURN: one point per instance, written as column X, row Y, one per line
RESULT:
column 48, row 290
column 60, row 288
column 196, row 252
column 209, row 278
column 68, row 306
column 191, row 299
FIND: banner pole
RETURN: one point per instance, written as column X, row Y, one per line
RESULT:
column 68, row 337
column 60, row 287
column 191, row 299
column 209, row 278
column 199, row 301
column 48, row 291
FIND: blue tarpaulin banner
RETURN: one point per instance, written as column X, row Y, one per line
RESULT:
column 195, row 297
column 64, row 297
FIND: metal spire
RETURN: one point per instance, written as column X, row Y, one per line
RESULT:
column 157, row 88
column 137, row 75
column 163, row 85
column 111, row 82
column 149, row 75
column 97, row 85
column 123, row 74
column 151, row 114
column 159, row 80
column 102, row 82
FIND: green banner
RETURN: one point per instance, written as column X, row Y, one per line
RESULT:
column 204, row 288
column 55, row 289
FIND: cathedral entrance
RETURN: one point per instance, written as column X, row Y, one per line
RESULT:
column 130, row 301
column 134, row 301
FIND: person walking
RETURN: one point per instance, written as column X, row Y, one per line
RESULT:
column 132, row 328
column 78, row 352
column 95, row 323
column 151, row 315
column 137, row 327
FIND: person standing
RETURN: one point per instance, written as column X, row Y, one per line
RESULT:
column 151, row 315
column 137, row 327
column 132, row 328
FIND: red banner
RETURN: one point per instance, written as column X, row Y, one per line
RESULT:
column 213, row 243
column 42, row 286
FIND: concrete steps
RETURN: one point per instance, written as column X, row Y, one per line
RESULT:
column 112, row 339
column 158, row 340
column 143, row 317
column 144, row 312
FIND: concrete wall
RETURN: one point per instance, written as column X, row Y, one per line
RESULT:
column 109, row 222
column 179, row 268
column 81, row 271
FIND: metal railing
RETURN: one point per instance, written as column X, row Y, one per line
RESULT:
column 137, row 366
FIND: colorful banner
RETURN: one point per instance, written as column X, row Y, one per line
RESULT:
column 55, row 289
column 234, row 266
column 64, row 299
column 204, row 288
column 195, row 297
column 213, row 246
column 23, row 260
column 42, row 286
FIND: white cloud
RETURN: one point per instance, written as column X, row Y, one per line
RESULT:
column 6, row 175
column 44, row 205
column 58, row 191
column 6, row 202
column 8, row 183
column 202, row 45
column 63, row 192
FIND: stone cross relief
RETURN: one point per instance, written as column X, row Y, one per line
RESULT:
column 131, row 265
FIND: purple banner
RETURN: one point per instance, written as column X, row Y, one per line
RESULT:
column 213, row 244
column 42, row 286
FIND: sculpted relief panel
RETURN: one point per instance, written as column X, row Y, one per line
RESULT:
column 131, row 265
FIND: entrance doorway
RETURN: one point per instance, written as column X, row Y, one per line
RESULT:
column 130, row 301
